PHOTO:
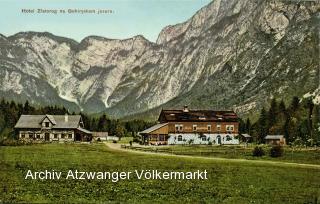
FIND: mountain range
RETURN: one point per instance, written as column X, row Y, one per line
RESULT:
column 231, row 54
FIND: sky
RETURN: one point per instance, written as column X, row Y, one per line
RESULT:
column 128, row 18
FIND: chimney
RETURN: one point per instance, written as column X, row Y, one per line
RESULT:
column 66, row 117
column 185, row 108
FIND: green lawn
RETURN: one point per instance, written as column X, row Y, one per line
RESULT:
column 227, row 183
column 125, row 140
column 307, row 156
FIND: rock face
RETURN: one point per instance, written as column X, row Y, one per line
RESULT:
column 230, row 53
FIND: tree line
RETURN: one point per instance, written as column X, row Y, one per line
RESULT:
column 11, row 111
column 299, row 122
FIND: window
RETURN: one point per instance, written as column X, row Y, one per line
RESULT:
column 178, row 128
column 70, row 136
column 47, row 124
column 204, row 138
column 194, row 127
column 209, row 128
column 161, row 138
column 230, row 128
column 218, row 127
column 180, row 138
column 154, row 137
column 55, row 136
column 22, row 135
column 228, row 138
column 30, row 135
column 63, row 136
column 38, row 136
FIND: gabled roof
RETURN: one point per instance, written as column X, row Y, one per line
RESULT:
column 153, row 128
column 51, row 118
column 197, row 115
column 274, row 137
column 58, row 121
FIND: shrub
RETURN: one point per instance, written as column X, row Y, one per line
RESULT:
column 190, row 142
column 258, row 152
column 136, row 140
column 13, row 142
column 98, row 140
column 114, row 141
column 209, row 143
column 276, row 151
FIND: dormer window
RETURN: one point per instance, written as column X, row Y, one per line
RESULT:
column 47, row 124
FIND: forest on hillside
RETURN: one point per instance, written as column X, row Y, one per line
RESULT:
column 299, row 121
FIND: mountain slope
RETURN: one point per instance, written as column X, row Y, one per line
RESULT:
column 230, row 53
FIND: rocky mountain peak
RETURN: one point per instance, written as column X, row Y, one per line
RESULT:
column 229, row 53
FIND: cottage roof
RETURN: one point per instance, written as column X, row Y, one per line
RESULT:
column 197, row 115
column 58, row 121
column 246, row 135
column 84, row 130
column 274, row 137
column 153, row 128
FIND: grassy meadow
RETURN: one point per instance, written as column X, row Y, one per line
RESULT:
column 295, row 155
column 228, row 182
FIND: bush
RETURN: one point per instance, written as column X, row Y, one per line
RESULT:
column 276, row 151
column 209, row 143
column 114, row 141
column 13, row 142
column 258, row 152
column 136, row 140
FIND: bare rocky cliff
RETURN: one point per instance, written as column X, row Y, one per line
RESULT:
column 230, row 54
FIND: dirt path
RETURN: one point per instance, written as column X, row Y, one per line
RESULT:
column 117, row 147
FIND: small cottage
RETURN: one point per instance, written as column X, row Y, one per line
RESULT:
column 245, row 138
column 275, row 140
column 100, row 136
column 52, row 128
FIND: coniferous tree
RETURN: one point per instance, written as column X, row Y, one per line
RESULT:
column 26, row 108
column 316, row 123
column 262, row 125
column 102, row 123
column 295, row 104
column 272, row 114
column 248, row 126
column 282, row 107
column 242, row 126
column 309, row 107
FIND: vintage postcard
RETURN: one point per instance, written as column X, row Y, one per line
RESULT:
column 160, row 101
